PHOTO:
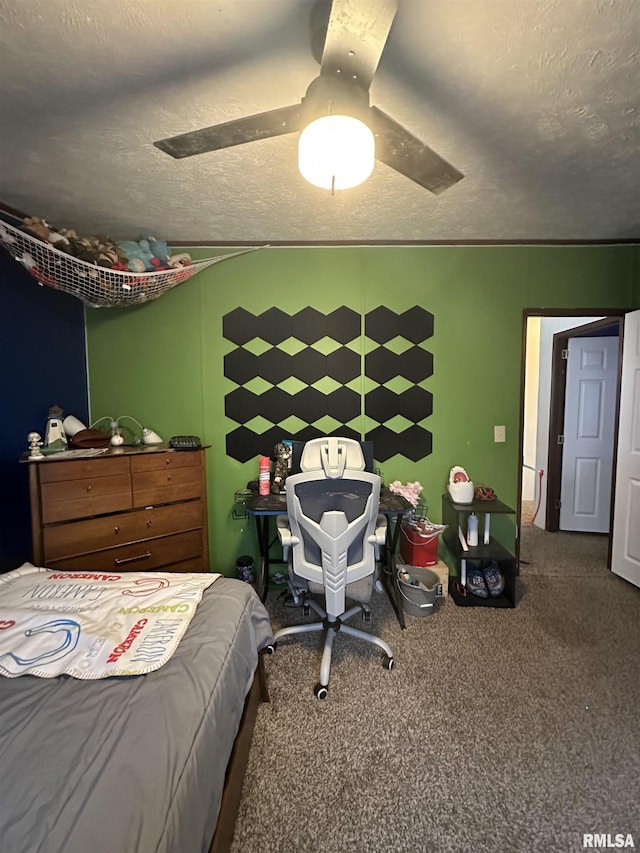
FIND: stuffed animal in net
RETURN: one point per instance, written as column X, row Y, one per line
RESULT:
column 138, row 255
column 282, row 453
column 145, row 255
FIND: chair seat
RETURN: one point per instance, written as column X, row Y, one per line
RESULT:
column 357, row 591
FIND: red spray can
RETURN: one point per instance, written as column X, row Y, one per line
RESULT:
column 264, row 476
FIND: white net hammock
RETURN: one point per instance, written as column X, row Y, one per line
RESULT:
column 99, row 287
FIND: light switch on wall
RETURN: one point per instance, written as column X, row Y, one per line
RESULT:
column 499, row 433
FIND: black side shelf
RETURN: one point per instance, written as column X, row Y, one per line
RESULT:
column 454, row 515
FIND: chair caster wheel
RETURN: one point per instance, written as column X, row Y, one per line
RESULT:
column 270, row 649
column 306, row 610
column 366, row 616
column 387, row 663
column 320, row 691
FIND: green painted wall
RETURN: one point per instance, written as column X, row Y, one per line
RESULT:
column 162, row 363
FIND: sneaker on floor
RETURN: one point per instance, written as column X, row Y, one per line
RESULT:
column 494, row 578
column 476, row 584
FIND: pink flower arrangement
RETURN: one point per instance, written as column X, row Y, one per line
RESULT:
column 410, row 491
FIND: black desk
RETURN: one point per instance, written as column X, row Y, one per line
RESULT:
column 265, row 507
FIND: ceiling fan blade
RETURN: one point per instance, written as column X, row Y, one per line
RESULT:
column 405, row 153
column 356, row 36
column 236, row 132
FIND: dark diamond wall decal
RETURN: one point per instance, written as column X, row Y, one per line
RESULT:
column 275, row 326
column 415, row 403
column 414, row 364
column 243, row 444
column 343, row 365
column 344, row 325
column 414, row 443
column 309, row 365
column 241, row 405
column 382, row 405
column 239, row 326
column 240, row 366
column 381, row 325
column 275, row 403
column 416, row 325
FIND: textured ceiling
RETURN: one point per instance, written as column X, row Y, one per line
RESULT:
column 537, row 102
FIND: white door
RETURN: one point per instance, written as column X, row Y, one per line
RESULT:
column 589, row 428
column 625, row 543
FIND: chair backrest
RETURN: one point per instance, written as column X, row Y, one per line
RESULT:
column 298, row 447
column 333, row 456
column 332, row 510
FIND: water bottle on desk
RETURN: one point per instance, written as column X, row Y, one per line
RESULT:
column 472, row 530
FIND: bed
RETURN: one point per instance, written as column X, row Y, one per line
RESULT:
column 138, row 764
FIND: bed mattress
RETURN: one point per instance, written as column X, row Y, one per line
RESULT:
column 131, row 765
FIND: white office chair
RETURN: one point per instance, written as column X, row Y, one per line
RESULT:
column 331, row 537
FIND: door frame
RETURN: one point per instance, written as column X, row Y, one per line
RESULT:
column 557, row 399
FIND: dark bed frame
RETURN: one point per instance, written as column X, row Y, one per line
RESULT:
column 236, row 768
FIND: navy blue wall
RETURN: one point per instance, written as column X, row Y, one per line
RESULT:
column 42, row 362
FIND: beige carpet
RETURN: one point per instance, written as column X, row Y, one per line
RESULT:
column 498, row 731
column 567, row 555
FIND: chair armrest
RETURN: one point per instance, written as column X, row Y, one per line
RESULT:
column 284, row 533
column 380, row 533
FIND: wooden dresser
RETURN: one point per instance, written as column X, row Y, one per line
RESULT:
column 126, row 509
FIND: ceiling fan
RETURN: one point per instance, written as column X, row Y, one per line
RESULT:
column 356, row 35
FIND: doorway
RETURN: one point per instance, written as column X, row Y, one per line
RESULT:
column 576, row 342
column 543, row 391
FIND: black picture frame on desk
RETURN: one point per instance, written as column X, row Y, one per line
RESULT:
column 454, row 516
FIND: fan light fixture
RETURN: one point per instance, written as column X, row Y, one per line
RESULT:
column 348, row 38
column 336, row 152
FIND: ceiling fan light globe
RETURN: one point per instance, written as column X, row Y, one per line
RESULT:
column 336, row 152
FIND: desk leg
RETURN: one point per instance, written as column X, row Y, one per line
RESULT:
column 262, row 574
column 389, row 569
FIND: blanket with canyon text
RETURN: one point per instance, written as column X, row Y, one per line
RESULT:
column 92, row 624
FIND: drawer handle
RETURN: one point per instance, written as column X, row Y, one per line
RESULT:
column 116, row 529
column 144, row 556
column 89, row 488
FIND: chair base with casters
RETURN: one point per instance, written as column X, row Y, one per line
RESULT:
column 331, row 625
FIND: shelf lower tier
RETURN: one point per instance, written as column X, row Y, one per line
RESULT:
column 464, row 598
column 471, row 600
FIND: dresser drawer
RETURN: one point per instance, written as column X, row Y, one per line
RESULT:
column 197, row 564
column 137, row 557
column 163, row 461
column 83, row 497
column 166, row 484
column 95, row 534
column 96, row 466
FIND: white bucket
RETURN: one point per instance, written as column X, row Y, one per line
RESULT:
column 418, row 600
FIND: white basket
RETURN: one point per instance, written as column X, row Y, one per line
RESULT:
column 99, row 287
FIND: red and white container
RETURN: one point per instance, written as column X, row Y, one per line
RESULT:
column 419, row 541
